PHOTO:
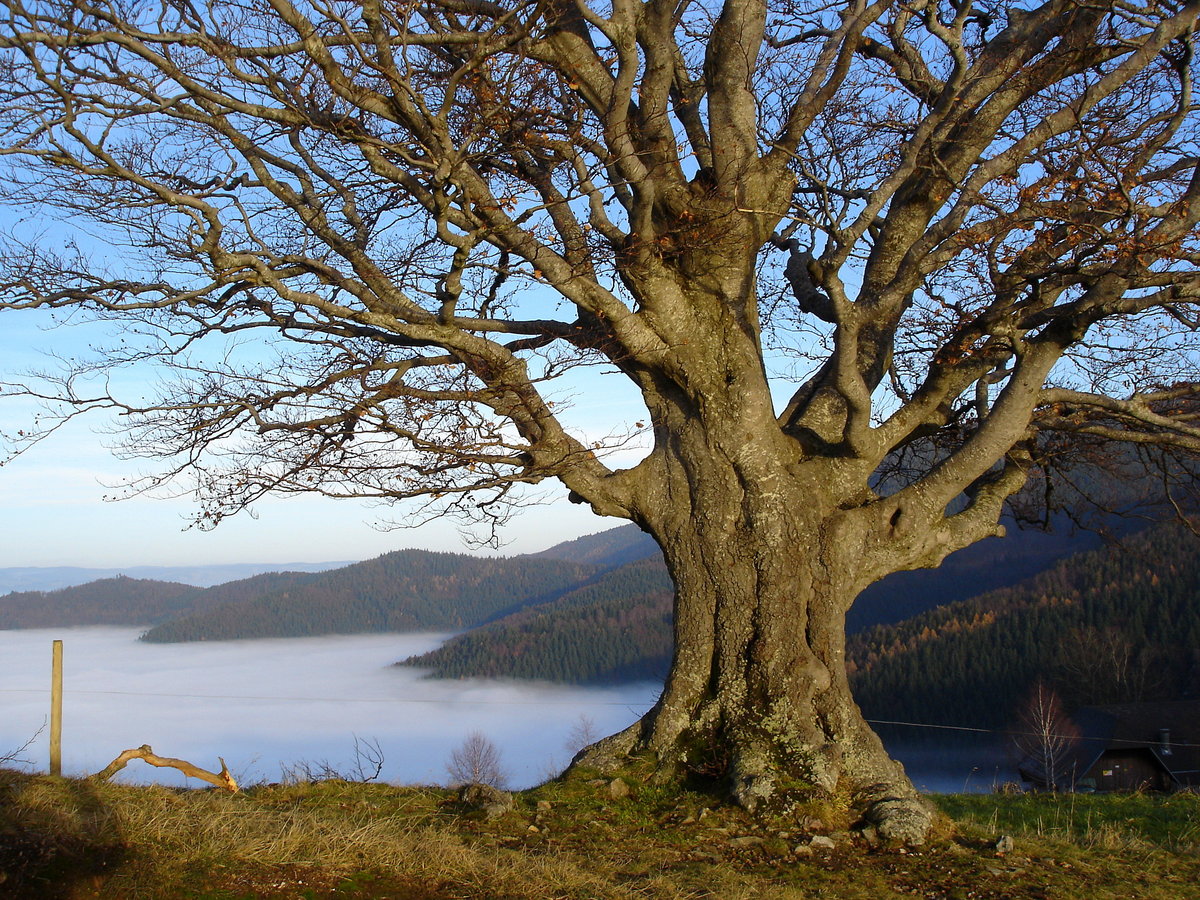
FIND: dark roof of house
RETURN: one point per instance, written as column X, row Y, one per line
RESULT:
column 1141, row 726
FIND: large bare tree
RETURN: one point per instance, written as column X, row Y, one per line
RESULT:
column 863, row 261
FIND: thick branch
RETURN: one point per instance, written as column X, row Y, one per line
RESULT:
column 222, row 779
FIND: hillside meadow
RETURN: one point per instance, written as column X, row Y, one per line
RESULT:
column 582, row 837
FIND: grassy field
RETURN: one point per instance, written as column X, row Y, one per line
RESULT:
column 63, row 839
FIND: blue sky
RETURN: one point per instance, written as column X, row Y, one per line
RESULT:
column 51, row 498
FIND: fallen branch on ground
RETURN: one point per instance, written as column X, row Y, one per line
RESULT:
column 221, row 779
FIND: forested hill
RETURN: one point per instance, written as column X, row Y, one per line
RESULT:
column 616, row 629
column 1112, row 625
column 109, row 601
column 125, row 601
column 251, row 588
column 408, row 590
column 988, row 565
column 358, row 597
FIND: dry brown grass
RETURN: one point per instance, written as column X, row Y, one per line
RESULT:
column 66, row 840
column 166, row 836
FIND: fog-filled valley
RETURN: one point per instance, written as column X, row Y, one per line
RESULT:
column 282, row 708
column 270, row 705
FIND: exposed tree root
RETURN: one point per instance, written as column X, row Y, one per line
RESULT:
column 902, row 815
column 894, row 812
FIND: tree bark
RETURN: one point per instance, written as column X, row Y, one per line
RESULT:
column 767, row 550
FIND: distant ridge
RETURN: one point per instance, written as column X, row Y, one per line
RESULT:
column 407, row 590
column 52, row 578
column 610, row 549
column 109, row 601
column 402, row 591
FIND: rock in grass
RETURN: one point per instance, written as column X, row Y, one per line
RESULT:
column 492, row 802
column 746, row 842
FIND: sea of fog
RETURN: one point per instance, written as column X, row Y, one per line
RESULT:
column 270, row 706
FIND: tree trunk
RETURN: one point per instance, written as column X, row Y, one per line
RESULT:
column 766, row 560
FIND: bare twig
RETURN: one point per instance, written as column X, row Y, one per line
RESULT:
column 15, row 755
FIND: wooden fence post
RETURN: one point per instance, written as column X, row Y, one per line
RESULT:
column 56, row 693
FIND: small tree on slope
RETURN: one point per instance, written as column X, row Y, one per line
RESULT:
column 959, row 230
column 1044, row 738
column 476, row 761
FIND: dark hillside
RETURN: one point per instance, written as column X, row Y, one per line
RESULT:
column 616, row 629
column 1116, row 624
column 971, row 658
column 989, row 565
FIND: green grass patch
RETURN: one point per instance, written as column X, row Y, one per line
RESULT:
column 1090, row 820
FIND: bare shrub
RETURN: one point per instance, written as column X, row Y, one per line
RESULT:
column 582, row 734
column 366, row 766
column 476, row 761
column 1045, row 737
